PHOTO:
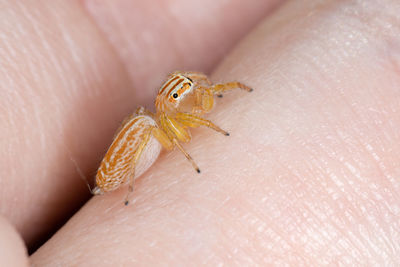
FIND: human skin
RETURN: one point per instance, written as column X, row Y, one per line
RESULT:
column 12, row 249
column 72, row 71
column 309, row 175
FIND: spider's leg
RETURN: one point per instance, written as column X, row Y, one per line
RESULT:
column 219, row 88
column 191, row 120
column 174, row 129
column 135, row 159
column 176, row 132
column 162, row 138
column 178, row 145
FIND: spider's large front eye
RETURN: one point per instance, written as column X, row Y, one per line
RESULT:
column 175, row 95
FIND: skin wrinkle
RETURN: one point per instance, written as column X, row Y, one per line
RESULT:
column 204, row 33
column 37, row 73
column 307, row 166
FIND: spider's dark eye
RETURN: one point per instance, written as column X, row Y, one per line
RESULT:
column 175, row 95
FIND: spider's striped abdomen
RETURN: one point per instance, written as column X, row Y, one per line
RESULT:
column 117, row 165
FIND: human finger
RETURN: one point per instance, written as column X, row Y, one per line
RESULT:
column 12, row 249
column 64, row 91
column 307, row 176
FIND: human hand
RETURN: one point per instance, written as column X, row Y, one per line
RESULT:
column 308, row 176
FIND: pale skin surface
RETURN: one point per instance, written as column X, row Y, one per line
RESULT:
column 309, row 175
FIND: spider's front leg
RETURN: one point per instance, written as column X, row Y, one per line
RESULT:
column 193, row 121
column 219, row 88
column 204, row 96
column 176, row 133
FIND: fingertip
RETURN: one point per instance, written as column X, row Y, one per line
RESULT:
column 12, row 249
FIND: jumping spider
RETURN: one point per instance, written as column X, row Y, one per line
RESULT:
column 181, row 101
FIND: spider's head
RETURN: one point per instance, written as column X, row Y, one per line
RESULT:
column 175, row 94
